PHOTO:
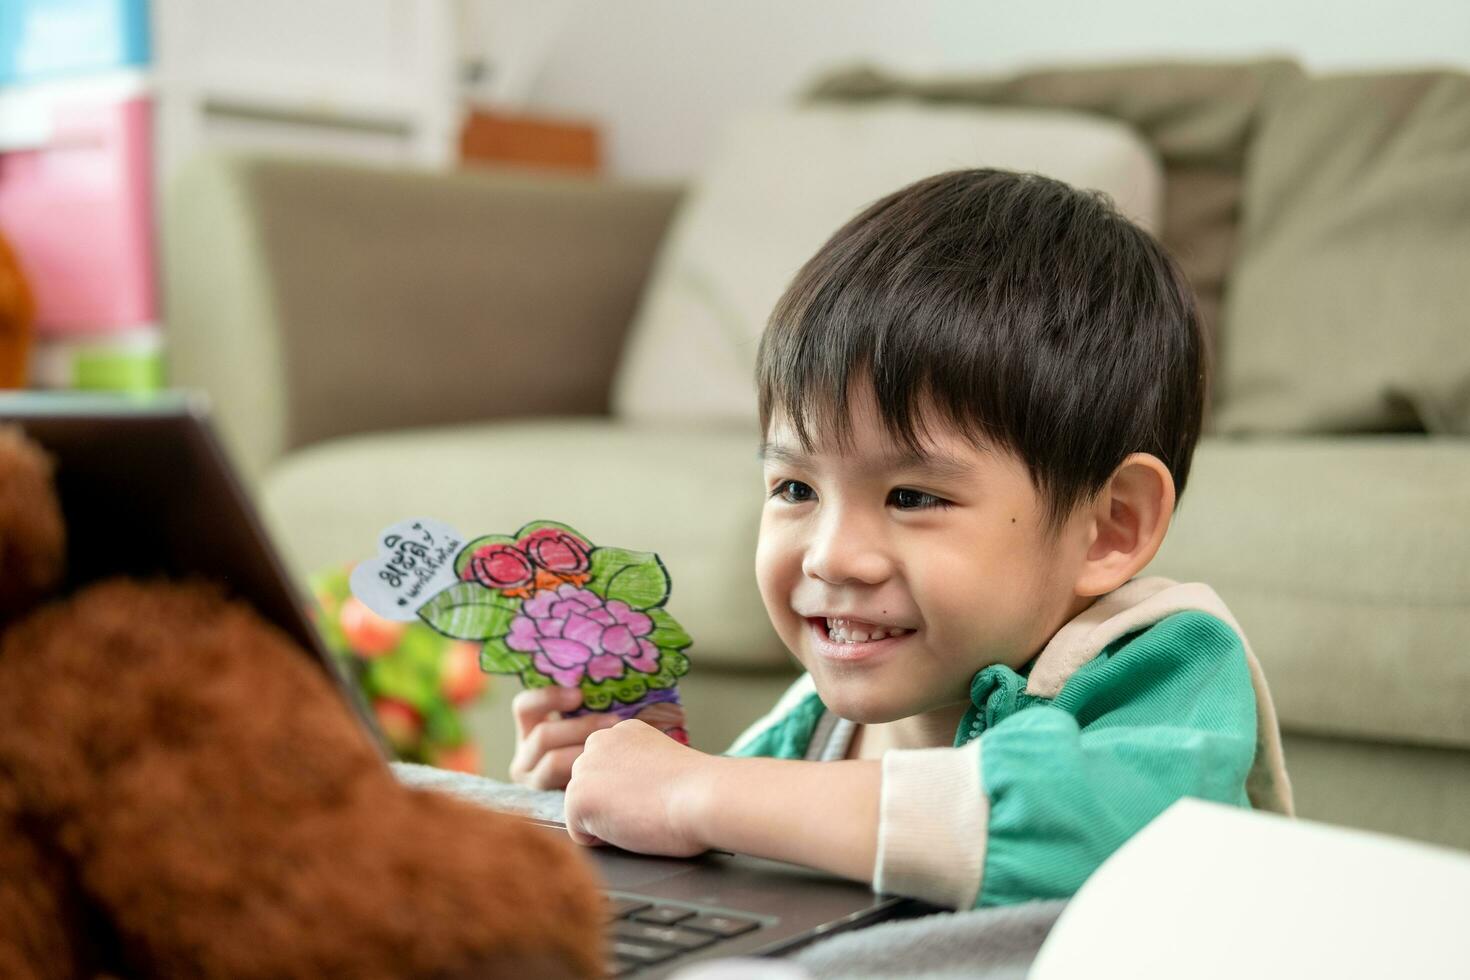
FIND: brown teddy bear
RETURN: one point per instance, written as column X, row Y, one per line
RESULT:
column 183, row 793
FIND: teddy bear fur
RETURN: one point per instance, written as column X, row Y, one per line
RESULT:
column 184, row 793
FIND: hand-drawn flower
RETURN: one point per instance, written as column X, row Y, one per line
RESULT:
column 572, row 633
column 545, row 558
column 556, row 551
column 500, row 566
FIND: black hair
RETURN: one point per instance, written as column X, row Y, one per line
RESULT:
column 1033, row 316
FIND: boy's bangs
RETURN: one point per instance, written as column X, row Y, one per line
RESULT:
column 810, row 371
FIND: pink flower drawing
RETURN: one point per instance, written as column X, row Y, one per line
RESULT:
column 571, row 633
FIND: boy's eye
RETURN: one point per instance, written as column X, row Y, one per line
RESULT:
column 794, row 492
column 905, row 498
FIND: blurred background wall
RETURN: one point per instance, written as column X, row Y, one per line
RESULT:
column 383, row 79
column 636, row 88
column 662, row 75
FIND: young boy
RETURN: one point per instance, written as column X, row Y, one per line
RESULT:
column 979, row 403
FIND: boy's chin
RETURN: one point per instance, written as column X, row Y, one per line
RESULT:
column 866, row 704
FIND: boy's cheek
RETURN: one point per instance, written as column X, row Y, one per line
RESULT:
column 773, row 579
column 792, row 636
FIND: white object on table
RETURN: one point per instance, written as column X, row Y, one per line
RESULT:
column 1215, row 891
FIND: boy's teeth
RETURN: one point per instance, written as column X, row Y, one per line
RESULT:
column 840, row 632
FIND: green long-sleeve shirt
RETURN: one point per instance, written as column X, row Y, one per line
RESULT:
column 1150, row 696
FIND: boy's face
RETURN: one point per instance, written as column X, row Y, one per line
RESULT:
column 947, row 554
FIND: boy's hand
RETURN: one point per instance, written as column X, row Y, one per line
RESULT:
column 638, row 789
column 546, row 747
column 633, row 787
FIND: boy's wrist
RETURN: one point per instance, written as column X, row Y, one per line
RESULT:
column 777, row 809
column 692, row 806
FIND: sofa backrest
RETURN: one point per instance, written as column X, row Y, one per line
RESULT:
column 1324, row 222
column 782, row 183
column 1349, row 305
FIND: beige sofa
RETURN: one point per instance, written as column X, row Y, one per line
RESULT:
column 382, row 345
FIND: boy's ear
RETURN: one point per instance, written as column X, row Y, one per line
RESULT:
column 1126, row 524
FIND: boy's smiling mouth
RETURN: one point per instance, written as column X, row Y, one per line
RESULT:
column 847, row 639
column 846, row 630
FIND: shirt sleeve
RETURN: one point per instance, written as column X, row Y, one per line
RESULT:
column 784, row 731
column 1053, row 789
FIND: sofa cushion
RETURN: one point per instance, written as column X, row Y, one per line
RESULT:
column 783, row 183
column 693, row 496
column 1347, row 562
column 314, row 299
column 1349, row 308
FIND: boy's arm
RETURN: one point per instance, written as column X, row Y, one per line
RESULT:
column 1026, row 811
column 1033, row 806
column 1170, row 714
column 637, row 788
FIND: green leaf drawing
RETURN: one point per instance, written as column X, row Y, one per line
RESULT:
column 672, row 666
column 596, row 697
column 626, row 689
column 469, row 611
column 675, row 663
column 497, row 658
column 630, row 687
column 462, row 560
column 635, row 577
column 667, row 633
column 533, row 678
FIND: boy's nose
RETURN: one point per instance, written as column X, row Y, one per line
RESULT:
column 843, row 551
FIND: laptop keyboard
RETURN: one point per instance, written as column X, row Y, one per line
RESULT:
column 643, row 932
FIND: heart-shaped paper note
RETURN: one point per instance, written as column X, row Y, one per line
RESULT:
column 415, row 562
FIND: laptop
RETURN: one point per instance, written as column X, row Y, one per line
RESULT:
column 146, row 489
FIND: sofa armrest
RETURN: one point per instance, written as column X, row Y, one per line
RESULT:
column 313, row 300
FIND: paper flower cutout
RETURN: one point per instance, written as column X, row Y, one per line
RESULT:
column 551, row 607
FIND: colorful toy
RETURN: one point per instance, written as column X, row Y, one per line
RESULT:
column 545, row 604
column 418, row 682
